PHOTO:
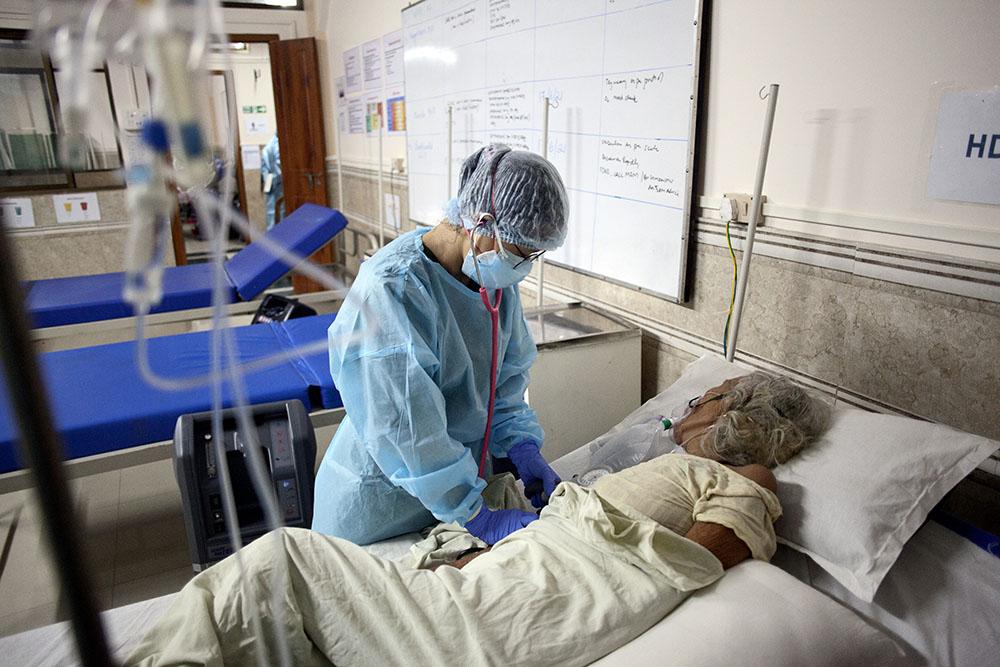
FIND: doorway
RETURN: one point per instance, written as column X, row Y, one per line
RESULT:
column 240, row 87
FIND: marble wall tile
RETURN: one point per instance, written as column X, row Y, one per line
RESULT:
column 937, row 361
column 70, row 254
column 60, row 250
column 661, row 366
column 797, row 319
column 45, row 212
column 113, row 205
column 255, row 199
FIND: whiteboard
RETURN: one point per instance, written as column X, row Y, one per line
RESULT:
column 622, row 78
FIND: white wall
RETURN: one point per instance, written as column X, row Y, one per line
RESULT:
column 249, row 92
column 341, row 25
column 857, row 109
column 859, row 82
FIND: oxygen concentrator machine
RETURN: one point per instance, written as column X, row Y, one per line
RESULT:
column 288, row 445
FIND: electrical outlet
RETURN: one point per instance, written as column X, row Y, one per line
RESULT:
column 735, row 207
column 398, row 165
column 133, row 119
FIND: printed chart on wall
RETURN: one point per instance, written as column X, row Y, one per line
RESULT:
column 621, row 78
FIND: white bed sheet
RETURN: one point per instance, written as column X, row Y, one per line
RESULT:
column 942, row 597
column 759, row 615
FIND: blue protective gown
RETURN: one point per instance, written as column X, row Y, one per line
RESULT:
column 270, row 163
column 410, row 353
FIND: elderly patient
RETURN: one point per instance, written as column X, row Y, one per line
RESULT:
column 600, row 566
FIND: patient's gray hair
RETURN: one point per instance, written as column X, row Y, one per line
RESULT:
column 768, row 420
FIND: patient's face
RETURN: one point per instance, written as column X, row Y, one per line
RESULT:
column 694, row 432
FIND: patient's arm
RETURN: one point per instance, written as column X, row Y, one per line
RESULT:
column 722, row 541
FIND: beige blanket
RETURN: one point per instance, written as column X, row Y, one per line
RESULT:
column 447, row 541
column 584, row 579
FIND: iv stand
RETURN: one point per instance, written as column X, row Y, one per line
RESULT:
column 545, row 154
column 755, row 210
column 381, row 187
column 340, row 164
column 540, row 285
column 41, row 450
column 450, row 126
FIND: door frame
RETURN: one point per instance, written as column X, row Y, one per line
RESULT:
column 177, row 236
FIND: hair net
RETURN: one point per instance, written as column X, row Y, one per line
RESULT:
column 531, row 206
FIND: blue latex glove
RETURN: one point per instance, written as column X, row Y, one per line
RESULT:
column 534, row 471
column 491, row 526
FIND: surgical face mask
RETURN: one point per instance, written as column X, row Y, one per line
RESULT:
column 495, row 270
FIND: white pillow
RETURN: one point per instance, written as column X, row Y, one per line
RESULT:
column 853, row 499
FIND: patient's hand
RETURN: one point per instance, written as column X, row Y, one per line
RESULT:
column 464, row 560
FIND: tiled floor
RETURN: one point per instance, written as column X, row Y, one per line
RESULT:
column 134, row 536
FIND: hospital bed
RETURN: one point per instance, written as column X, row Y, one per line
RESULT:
column 937, row 605
column 65, row 302
column 103, row 405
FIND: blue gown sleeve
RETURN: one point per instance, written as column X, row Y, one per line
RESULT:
column 514, row 421
column 383, row 363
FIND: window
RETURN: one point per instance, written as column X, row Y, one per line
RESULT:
column 29, row 125
column 264, row 4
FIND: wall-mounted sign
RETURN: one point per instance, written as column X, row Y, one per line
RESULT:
column 16, row 213
column 257, row 124
column 77, row 207
column 965, row 165
column 392, row 47
column 396, row 112
column 352, row 69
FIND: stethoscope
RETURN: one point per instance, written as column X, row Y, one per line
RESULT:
column 493, row 308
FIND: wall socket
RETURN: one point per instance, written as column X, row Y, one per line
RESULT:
column 398, row 165
column 735, row 207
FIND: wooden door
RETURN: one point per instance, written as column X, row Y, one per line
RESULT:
column 299, row 110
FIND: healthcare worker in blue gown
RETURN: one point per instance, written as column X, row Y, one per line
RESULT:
column 270, row 176
column 411, row 353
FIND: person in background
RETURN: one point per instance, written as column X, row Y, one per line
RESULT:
column 411, row 352
column 270, row 176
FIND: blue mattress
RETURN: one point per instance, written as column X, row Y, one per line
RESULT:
column 61, row 301
column 101, row 403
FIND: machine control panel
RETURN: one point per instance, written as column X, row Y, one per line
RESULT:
column 282, row 436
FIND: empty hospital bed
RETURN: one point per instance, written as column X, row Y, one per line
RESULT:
column 102, row 404
column 81, row 299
